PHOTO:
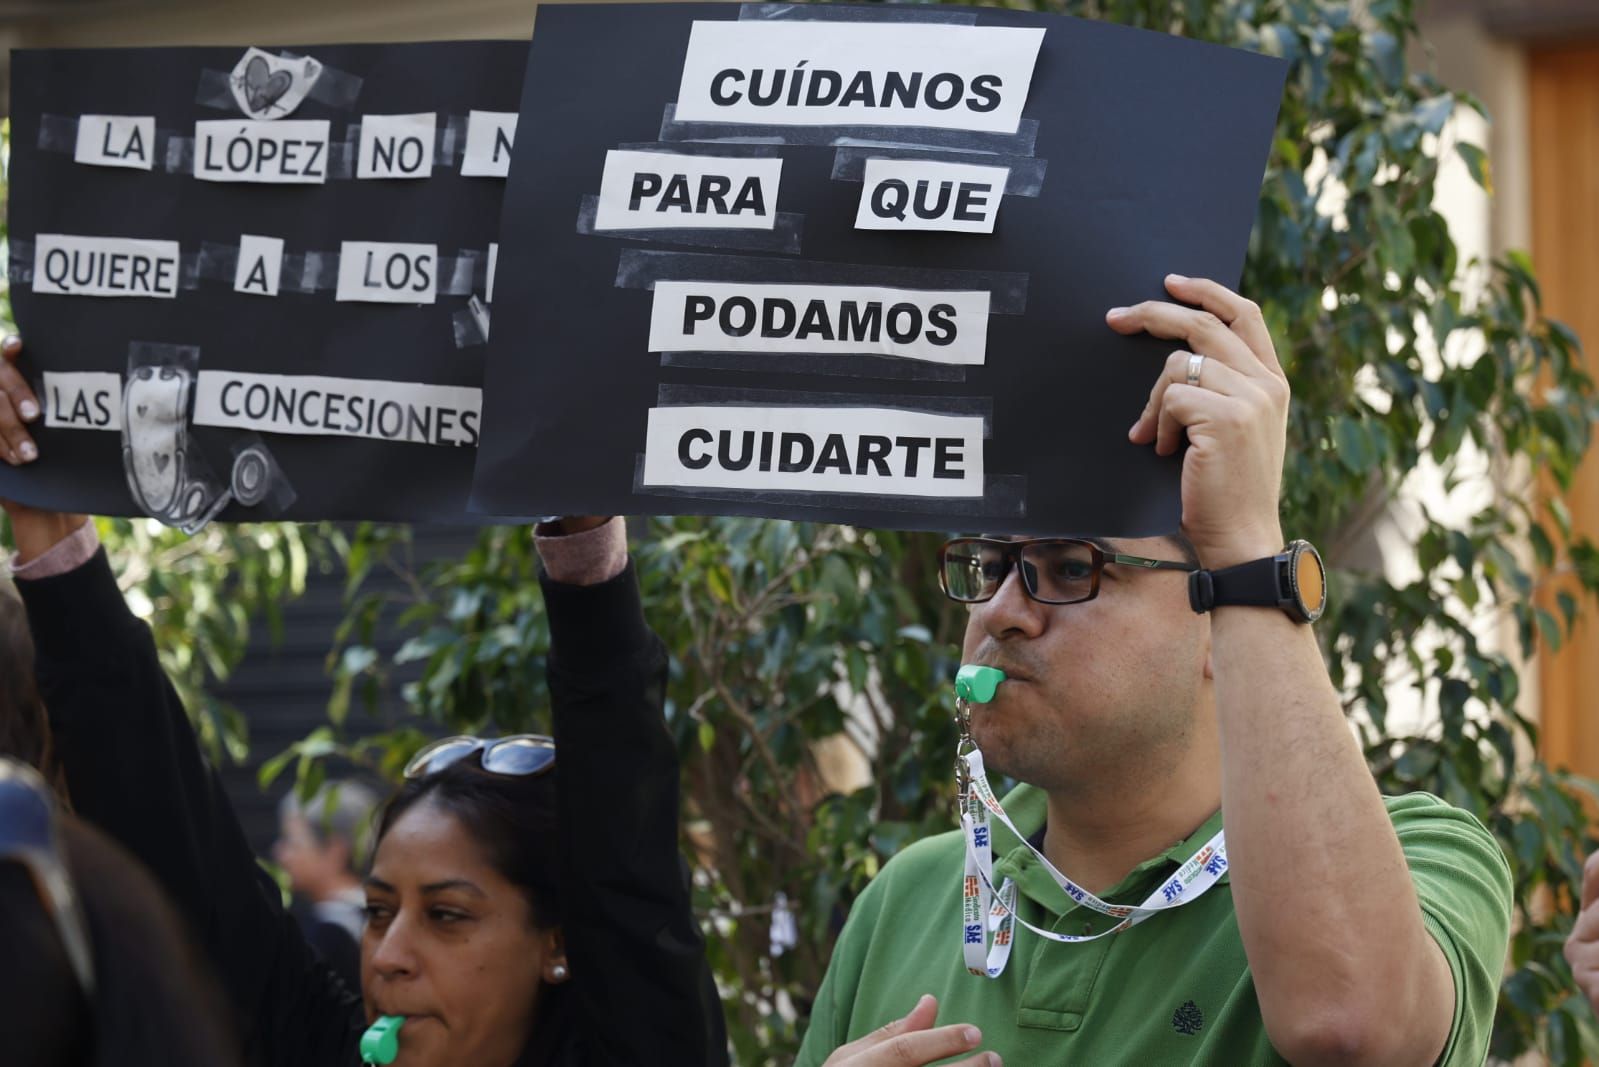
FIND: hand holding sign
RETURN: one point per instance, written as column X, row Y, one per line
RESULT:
column 18, row 405
column 1233, row 404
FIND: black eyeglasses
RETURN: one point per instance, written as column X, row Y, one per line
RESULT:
column 518, row 755
column 1055, row 570
column 29, row 836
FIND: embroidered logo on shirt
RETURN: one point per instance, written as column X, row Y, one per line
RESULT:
column 1188, row 1019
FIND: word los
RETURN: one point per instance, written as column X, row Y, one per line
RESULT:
column 382, row 272
column 116, row 141
column 831, row 450
column 345, row 407
column 283, row 152
column 916, row 194
column 105, row 266
column 88, row 400
column 662, row 190
column 873, row 74
column 940, row 326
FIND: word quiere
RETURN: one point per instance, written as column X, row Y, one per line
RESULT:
column 801, row 86
column 105, row 266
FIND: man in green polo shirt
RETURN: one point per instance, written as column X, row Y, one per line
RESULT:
column 1333, row 925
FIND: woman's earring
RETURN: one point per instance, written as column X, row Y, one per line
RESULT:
column 558, row 972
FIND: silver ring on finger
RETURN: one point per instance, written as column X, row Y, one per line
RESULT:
column 1196, row 364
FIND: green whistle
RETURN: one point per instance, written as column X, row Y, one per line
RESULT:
column 976, row 684
column 381, row 1042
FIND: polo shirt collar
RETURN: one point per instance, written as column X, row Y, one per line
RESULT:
column 1028, row 807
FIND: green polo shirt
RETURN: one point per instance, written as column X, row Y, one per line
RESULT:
column 1173, row 990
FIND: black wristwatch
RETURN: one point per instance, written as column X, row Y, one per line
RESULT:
column 1293, row 580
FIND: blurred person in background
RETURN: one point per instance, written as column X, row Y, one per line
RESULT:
column 1582, row 947
column 96, row 970
column 323, row 846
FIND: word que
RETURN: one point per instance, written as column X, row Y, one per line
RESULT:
column 914, row 194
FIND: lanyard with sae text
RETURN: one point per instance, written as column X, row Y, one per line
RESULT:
column 987, row 912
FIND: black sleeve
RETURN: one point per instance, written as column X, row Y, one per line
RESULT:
column 638, row 961
column 134, row 768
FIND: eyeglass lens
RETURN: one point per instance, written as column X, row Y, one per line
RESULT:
column 1059, row 572
column 519, row 755
column 437, row 758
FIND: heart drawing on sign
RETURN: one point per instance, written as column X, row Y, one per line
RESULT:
column 143, row 410
column 264, row 87
column 162, row 461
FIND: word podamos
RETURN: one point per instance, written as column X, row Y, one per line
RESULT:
column 919, row 194
column 885, row 451
column 939, row 326
column 664, row 190
column 858, row 73
column 383, row 272
column 346, row 407
column 105, row 266
column 286, row 152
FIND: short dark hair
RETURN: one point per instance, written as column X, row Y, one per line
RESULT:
column 512, row 817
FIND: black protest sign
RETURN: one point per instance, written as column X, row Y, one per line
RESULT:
column 254, row 283
column 852, row 264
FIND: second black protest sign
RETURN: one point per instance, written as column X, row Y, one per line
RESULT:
column 852, row 264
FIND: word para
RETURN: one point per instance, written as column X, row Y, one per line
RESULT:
column 663, row 190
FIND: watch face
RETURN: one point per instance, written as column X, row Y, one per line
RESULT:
column 1310, row 580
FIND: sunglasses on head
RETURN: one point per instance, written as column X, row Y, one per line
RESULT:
column 518, row 755
column 29, row 836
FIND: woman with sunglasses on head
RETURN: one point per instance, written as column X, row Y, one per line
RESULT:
column 523, row 910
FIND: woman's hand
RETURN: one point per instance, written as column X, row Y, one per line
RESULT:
column 34, row 530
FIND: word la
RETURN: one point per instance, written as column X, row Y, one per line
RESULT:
column 915, row 194
column 663, row 190
column 388, row 273
column 116, row 141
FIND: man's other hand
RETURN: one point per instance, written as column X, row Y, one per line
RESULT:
column 913, row 1041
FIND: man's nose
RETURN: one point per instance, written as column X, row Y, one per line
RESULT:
column 1012, row 613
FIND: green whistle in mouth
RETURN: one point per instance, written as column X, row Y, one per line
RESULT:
column 976, row 684
column 381, row 1042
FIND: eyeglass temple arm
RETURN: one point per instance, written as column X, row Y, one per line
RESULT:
column 1149, row 564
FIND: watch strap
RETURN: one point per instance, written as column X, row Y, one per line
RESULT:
column 1256, row 583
